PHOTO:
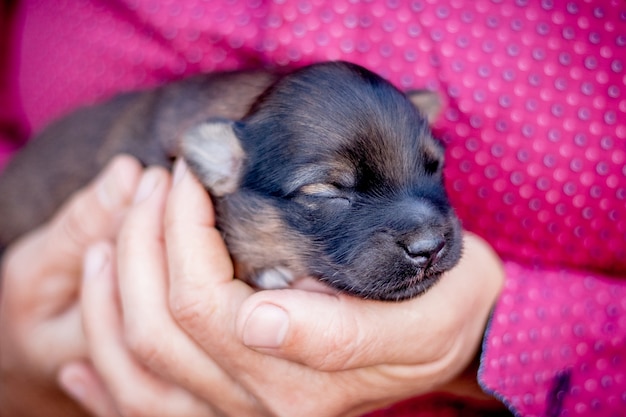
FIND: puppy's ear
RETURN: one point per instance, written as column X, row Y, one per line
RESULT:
column 214, row 153
column 427, row 102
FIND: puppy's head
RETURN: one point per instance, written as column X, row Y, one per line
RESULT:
column 334, row 174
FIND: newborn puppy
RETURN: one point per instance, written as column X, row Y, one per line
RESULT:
column 328, row 171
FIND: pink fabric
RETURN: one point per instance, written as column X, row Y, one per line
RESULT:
column 535, row 124
column 13, row 124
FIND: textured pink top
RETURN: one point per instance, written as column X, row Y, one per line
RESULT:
column 535, row 127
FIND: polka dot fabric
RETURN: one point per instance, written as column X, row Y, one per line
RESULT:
column 534, row 122
column 556, row 344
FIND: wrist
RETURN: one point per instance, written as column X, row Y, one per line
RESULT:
column 466, row 386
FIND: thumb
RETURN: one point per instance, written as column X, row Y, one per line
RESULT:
column 325, row 332
column 339, row 332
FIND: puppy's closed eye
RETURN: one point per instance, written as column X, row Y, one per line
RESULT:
column 325, row 190
column 333, row 193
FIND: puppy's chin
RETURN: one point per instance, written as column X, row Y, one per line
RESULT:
column 392, row 291
column 409, row 290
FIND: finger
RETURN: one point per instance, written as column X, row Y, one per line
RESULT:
column 201, row 273
column 94, row 213
column 134, row 390
column 79, row 380
column 204, row 296
column 41, row 270
column 205, row 299
column 150, row 331
column 46, row 264
column 332, row 333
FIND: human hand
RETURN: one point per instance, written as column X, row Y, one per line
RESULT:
column 114, row 384
column 285, row 352
column 40, row 320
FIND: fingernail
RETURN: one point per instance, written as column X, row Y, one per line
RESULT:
column 147, row 185
column 180, row 169
column 266, row 327
column 95, row 260
column 108, row 190
column 72, row 384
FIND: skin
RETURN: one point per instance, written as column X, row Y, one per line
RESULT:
column 43, row 346
column 40, row 319
column 168, row 331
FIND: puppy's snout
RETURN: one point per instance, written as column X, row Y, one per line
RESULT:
column 423, row 250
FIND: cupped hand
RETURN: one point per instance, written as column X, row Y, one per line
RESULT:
column 40, row 323
column 285, row 352
column 116, row 384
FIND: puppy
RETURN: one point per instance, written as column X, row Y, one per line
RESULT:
column 327, row 171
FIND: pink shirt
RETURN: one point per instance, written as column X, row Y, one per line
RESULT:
column 534, row 122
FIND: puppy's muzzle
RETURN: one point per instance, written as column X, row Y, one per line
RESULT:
column 423, row 249
column 425, row 234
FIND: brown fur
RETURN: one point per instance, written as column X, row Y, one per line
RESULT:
column 71, row 151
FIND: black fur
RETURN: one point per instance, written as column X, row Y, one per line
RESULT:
column 388, row 187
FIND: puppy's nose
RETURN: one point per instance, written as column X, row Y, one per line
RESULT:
column 423, row 251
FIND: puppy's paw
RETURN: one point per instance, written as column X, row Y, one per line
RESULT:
column 214, row 154
column 274, row 278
